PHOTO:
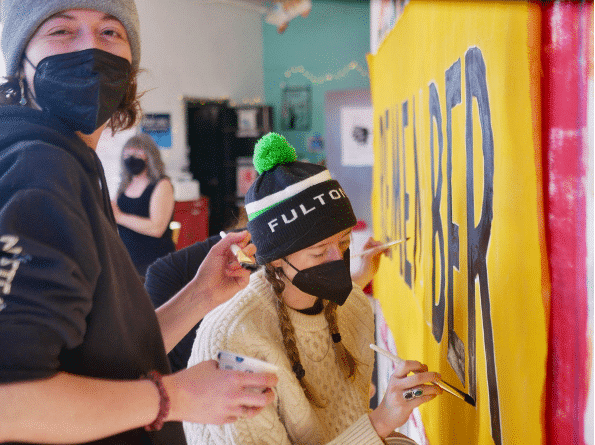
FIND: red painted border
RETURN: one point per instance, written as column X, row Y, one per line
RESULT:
column 566, row 30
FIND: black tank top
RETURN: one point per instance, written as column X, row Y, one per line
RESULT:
column 143, row 249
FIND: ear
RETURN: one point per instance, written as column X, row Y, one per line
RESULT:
column 277, row 263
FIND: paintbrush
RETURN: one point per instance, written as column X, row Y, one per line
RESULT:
column 380, row 247
column 245, row 261
column 442, row 384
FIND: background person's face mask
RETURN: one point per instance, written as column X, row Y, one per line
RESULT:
column 331, row 281
column 134, row 165
column 83, row 88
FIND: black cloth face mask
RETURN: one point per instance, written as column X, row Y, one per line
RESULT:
column 331, row 281
column 83, row 88
column 134, row 165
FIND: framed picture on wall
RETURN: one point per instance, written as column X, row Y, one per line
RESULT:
column 296, row 108
column 247, row 122
column 158, row 126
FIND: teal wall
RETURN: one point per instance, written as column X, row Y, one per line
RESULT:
column 334, row 34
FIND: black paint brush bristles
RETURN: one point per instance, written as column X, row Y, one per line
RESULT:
column 249, row 266
column 451, row 389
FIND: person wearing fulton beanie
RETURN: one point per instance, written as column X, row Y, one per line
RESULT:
column 292, row 205
column 83, row 350
column 303, row 313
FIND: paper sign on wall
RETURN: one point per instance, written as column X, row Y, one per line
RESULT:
column 356, row 136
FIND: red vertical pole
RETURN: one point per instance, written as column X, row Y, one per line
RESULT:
column 566, row 36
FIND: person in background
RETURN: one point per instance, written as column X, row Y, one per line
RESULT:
column 83, row 351
column 145, row 203
column 171, row 273
column 303, row 313
column 166, row 277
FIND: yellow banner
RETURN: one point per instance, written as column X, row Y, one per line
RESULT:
column 455, row 90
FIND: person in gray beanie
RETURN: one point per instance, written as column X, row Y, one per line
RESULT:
column 304, row 313
column 83, row 351
column 21, row 18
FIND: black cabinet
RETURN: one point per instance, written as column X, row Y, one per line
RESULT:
column 216, row 139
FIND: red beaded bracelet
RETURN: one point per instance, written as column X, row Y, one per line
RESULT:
column 164, row 402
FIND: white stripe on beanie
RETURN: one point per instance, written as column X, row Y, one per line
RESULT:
column 256, row 207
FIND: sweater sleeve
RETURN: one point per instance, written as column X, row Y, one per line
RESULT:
column 164, row 279
column 48, row 270
column 360, row 432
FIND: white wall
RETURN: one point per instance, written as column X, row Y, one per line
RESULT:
column 195, row 48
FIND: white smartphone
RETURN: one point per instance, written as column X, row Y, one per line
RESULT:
column 238, row 362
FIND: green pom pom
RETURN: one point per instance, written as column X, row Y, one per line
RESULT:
column 272, row 149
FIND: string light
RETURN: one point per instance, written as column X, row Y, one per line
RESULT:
column 351, row 66
column 247, row 101
column 327, row 77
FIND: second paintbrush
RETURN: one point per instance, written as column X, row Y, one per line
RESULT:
column 379, row 248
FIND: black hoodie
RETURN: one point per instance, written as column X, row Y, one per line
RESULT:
column 70, row 297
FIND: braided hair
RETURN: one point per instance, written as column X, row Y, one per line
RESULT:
column 344, row 358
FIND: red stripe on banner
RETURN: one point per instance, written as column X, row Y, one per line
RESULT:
column 566, row 53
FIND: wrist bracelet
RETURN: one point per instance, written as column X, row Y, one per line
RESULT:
column 164, row 403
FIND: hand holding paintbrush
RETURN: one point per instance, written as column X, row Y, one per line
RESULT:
column 370, row 262
column 445, row 386
column 409, row 386
column 245, row 261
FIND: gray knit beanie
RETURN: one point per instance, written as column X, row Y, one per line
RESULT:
column 21, row 18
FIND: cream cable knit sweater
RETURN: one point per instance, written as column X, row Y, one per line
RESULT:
column 248, row 324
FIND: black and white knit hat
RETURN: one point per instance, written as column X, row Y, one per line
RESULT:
column 292, row 205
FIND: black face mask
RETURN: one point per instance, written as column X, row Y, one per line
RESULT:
column 134, row 165
column 331, row 281
column 83, row 88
